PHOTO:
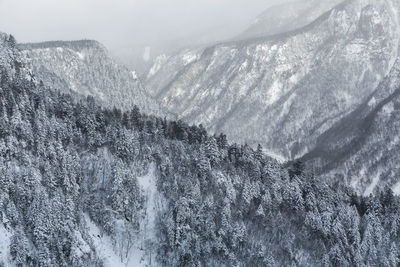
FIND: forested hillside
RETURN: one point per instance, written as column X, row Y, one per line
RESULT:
column 81, row 185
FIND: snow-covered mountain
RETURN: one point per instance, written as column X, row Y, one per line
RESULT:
column 287, row 17
column 284, row 90
column 363, row 148
column 86, row 68
column 84, row 185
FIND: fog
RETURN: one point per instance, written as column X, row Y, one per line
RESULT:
column 118, row 23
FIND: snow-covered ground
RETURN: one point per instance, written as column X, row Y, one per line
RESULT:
column 5, row 238
column 149, row 186
column 141, row 253
column 396, row 189
column 371, row 187
column 103, row 245
column 148, row 183
column 280, row 158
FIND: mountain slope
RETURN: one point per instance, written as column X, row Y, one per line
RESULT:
column 86, row 68
column 284, row 91
column 83, row 185
column 363, row 147
column 287, row 17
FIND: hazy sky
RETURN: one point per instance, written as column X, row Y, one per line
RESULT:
column 116, row 22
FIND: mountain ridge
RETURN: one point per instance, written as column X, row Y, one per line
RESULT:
column 285, row 91
column 299, row 8
column 75, row 44
column 87, row 68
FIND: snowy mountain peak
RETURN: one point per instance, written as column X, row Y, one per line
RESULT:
column 287, row 17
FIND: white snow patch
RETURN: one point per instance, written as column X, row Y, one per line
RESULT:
column 179, row 91
column 134, row 75
column 142, row 252
column 147, row 53
column 355, row 49
column 396, row 189
column 140, row 256
column 159, row 62
column 243, row 66
column 394, row 11
column 354, row 183
column 189, row 57
column 103, row 245
column 370, row 189
column 389, row 108
column 149, row 184
column 345, row 97
column 376, row 18
column 81, row 55
column 372, row 102
column 294, row 79
column 355, row 180
column 5, row 240
column 274, row 92
column 280, row 158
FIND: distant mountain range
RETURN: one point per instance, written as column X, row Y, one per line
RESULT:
column 288, row 87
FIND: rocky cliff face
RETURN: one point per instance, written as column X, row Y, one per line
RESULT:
column 86, row 68
column 285, row 90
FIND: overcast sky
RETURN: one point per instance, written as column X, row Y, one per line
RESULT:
column 119, row 22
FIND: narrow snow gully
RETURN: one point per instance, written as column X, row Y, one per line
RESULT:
column 140, row 249
column 144, row 253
